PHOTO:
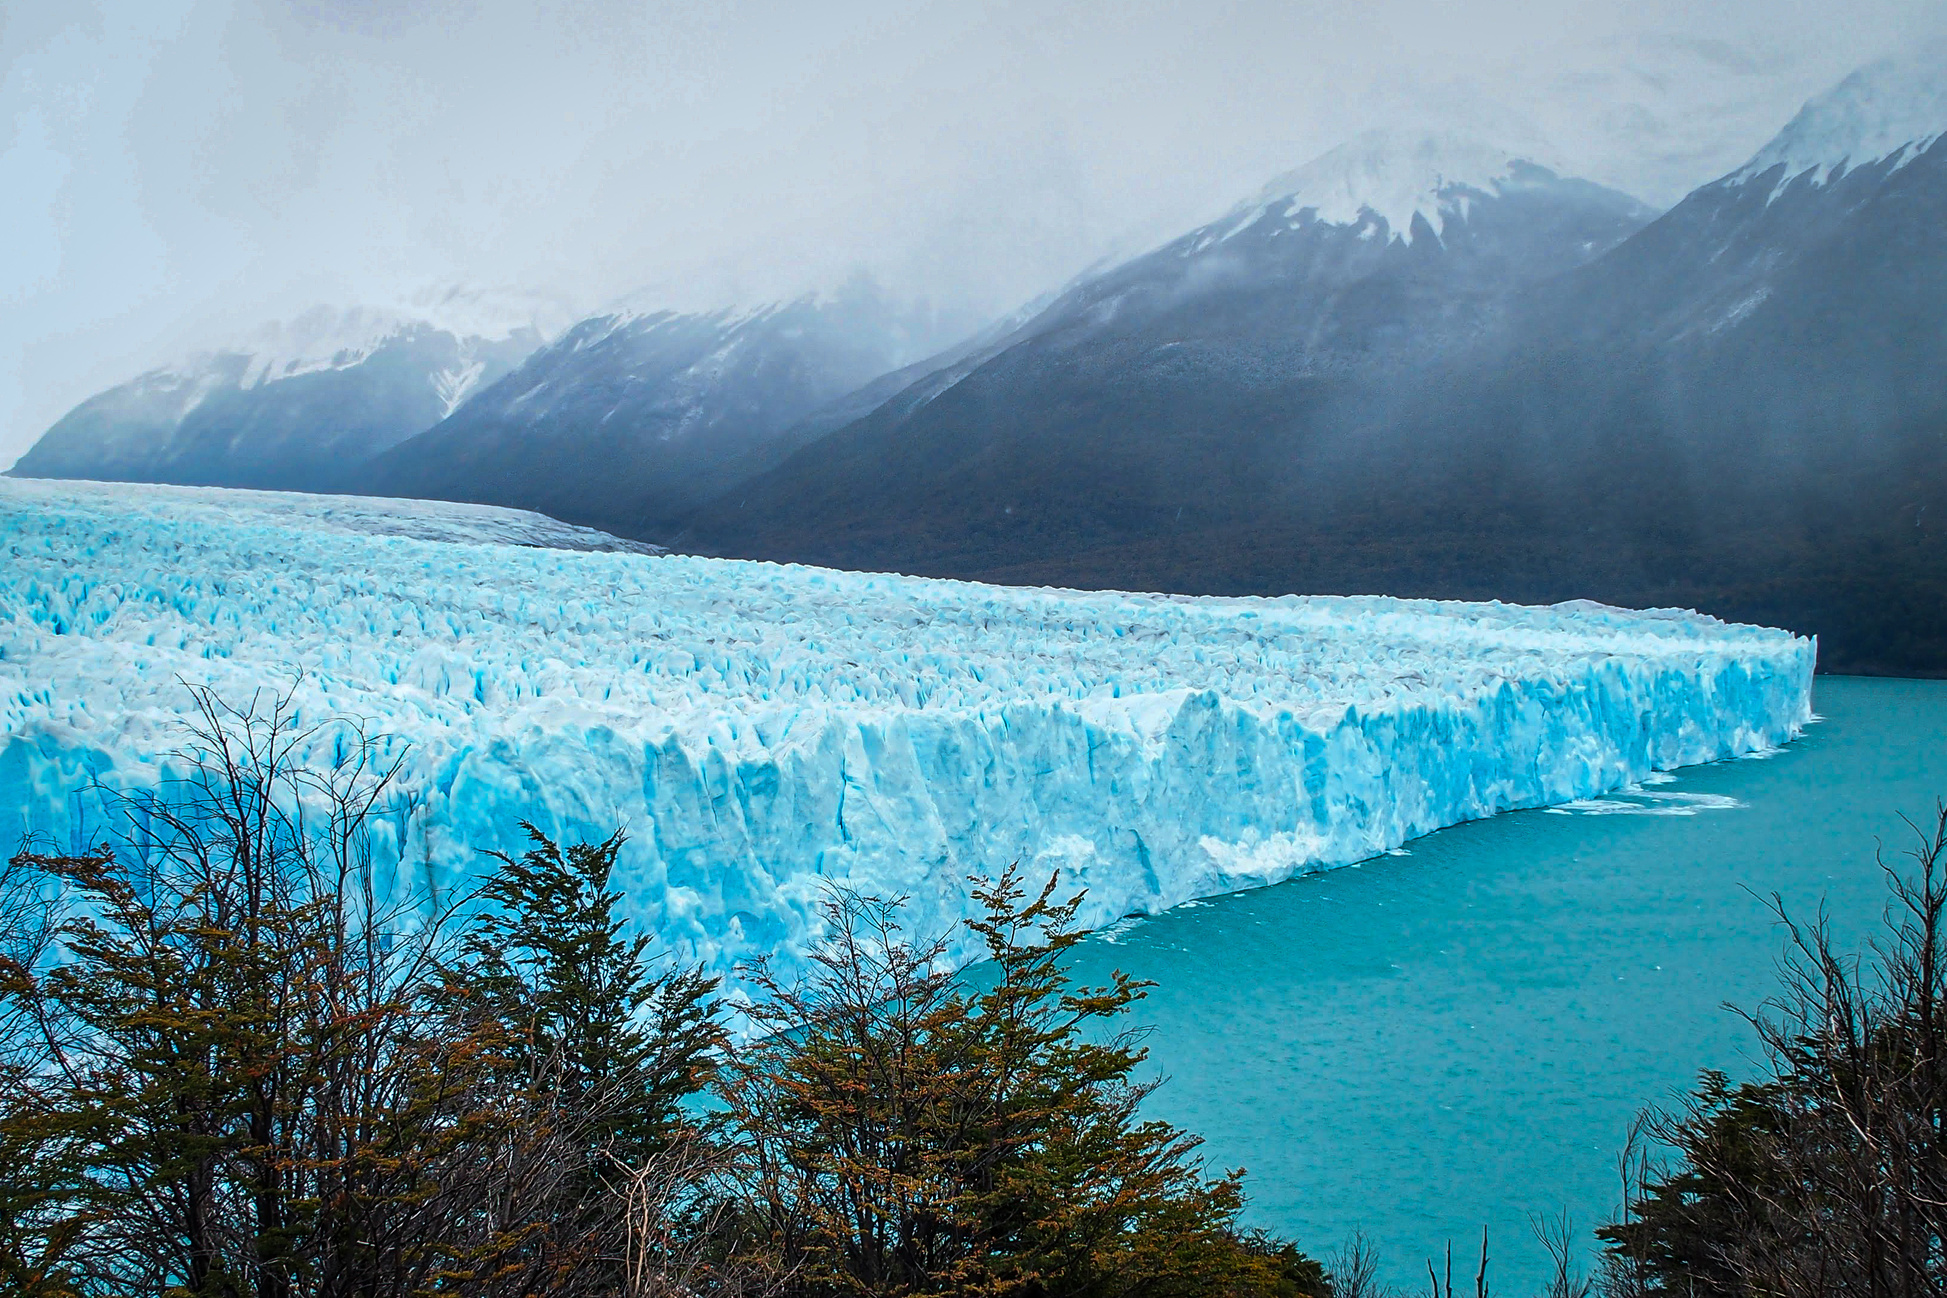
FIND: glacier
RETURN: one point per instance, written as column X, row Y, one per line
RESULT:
column 763, row 732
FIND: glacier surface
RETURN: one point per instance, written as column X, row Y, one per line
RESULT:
column 764, row 731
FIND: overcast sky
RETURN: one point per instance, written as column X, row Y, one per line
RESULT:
column 175, row 171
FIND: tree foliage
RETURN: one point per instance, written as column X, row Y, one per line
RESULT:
column 597, row 1052
column 903, row 1133
column 238, row 1053
column 244, row 1059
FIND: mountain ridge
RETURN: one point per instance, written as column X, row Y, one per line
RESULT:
column 630, row 418
column 293, row 405
column 1265, row 306
column 1736, row 406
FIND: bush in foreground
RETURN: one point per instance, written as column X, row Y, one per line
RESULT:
column 901, row 1133
column 1827, row 1175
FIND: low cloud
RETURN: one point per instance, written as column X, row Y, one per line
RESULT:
column 196, row 166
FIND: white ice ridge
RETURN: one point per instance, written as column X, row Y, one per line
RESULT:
column 764, row 731
column 297, row 511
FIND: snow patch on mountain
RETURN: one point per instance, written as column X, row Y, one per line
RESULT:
column 457, row 384
column 323, row 338
column 1388, row 178
column 684, row 393
column 1894, row 109
column 765, row 732
column 175, row 391
column 652, row 308
column 334, row 338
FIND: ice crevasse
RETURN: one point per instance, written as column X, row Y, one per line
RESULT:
column 763, row 732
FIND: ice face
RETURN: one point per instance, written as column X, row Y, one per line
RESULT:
column 763, row 732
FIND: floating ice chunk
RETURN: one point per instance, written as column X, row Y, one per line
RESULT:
column 1115, row 932
column 1641, row 802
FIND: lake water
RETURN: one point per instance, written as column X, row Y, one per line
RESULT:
column 1461, row 1035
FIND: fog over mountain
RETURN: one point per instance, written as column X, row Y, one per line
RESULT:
column 175, row 172
column 296, row 406
column 636, row 416
column 1430, row 367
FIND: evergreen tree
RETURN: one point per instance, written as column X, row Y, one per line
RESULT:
column 612, row 1034
column 599, row 1053
column 905, row 1135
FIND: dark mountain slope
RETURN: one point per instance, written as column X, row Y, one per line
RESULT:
column 297, row 409
column 1168, row 394
column 627, row 421
column 1741, row 408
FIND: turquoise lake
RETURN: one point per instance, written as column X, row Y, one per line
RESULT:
column 1461, row 1035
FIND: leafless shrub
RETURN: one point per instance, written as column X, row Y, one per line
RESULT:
column 1354, row 1269
column 1829, row 1175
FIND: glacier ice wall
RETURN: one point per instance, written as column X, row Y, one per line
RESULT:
column 764, row 730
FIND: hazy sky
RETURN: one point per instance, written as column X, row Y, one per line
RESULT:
column 174, row 171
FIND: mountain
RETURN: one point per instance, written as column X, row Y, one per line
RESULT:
column 1161, row 395
column 297, row 405
column 1743, row 408
column 1430, row 369
column 630, row 419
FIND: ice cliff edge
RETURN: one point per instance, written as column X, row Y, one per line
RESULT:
column 764, row 731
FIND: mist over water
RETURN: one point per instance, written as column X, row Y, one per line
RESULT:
column 1460, row 1035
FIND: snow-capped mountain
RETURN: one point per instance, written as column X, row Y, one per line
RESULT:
column 1145, row 393
column 631, row 417
column 296, row 404
column 1436, row 368
column 1810, row 283
column 1392, row 182
column 1387, row 245
column 1892, row 111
